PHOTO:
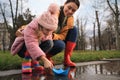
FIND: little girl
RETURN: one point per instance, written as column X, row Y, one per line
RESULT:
column 35, row 39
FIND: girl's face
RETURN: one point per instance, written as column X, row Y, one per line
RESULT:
column 45, row 31
column 70, row 8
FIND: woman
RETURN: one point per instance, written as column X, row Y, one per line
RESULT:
column 66, row 34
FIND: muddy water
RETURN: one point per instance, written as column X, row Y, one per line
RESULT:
column 104, row 71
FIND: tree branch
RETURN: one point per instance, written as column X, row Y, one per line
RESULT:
column 12, row 13
column 110, row 7
column 3, row 14
column 16, row 11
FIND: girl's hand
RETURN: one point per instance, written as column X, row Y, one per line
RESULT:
column 47, row 63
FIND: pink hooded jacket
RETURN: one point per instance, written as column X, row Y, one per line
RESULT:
column 30, row 37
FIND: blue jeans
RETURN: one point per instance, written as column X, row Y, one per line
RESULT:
column 59, row 45
column 45, row 46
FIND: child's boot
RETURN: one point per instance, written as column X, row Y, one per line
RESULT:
column 26, row 65
column 37, row 66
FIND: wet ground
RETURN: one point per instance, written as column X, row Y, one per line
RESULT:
column 96, row 70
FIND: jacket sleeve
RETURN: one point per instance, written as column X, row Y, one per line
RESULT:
column 32, row 43
column 64, row 30
column 17, row 45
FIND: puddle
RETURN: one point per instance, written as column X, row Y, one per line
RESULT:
column 106, row 71
column 103, row 71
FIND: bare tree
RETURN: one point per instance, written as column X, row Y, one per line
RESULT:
column 3, row 14
column 81, row 42
column 98, row 8
column 78, row 40
column 99, row 31
column 6, row 26
column 116, row 14
column 94, row 36
column 14, row 10
column 14, row 18
column 110, row 33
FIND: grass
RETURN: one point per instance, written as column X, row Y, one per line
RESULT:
column 7, row 61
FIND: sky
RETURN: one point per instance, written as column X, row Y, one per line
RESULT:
column 39, row 6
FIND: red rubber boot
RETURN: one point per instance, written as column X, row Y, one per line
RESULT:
column 68, row 52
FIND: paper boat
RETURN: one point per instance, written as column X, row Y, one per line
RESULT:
column 61, row 71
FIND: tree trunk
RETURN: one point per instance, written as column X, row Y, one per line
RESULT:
column 99, row 33
column 94, row 36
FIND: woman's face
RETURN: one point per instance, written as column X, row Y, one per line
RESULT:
column 70, row 8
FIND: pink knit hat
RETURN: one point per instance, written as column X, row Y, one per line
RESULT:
column 49, row 19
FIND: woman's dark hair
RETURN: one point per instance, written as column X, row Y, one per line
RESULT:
column 77, row 2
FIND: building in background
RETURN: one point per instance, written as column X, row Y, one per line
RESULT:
column 4, row 37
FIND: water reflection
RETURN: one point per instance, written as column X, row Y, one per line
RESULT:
column 114, row 69
column 111, row 68
column 12, row 77
column 86, row 72
column 49, row 76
